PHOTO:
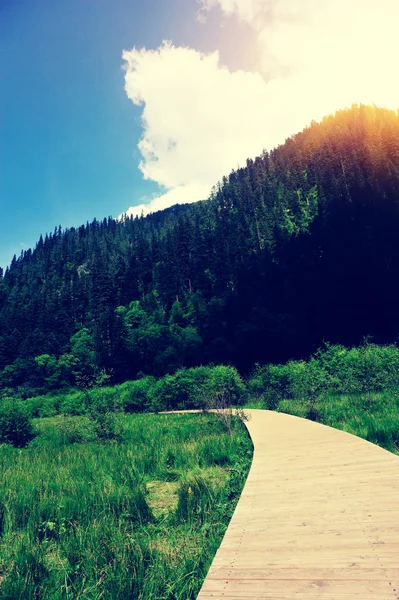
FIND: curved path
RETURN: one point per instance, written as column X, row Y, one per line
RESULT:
column 318, row 518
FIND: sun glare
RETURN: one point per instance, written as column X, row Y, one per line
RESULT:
column 329, row 55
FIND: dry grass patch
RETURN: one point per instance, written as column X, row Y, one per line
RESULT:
column 216, row 476
column 162, row 496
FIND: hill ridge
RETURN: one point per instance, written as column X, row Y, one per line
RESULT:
column 298, row 247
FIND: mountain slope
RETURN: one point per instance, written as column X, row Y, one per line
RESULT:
column 298, row 247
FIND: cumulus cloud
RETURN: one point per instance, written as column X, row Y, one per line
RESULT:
column 201, row 119
column 351, row 43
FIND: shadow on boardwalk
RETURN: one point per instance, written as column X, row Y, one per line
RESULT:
column 318, row 518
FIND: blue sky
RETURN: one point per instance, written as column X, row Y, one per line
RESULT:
column 68, row 132
column 81, row 137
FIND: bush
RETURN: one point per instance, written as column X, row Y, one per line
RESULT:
column 105, row 399
column 15, row 424
column 106, row 425
column 101, row 412
column 42, row 406
column 183, row 390
column 135, row 396
column 223, row 390
column 197, row 388
column 271, row 383
column 73, row 403
column 363, row 369
column 225, row 381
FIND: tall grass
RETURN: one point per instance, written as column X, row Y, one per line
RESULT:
column 355, row 389
column 373, row 416
column 77, row 520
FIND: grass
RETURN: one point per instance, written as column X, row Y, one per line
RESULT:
column 84, row 519
column 372, row 416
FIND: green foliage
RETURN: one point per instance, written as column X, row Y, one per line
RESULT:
column 15, row 374
column 298, row 408
column 47, row 405
column 47, row 366
column 333, row 369
column 271, row 383
column 107, row 426
column 197, row 388
column 106, row 399
column 73, row 403
column 135, row 396
column 338, row 386
column 355, row 389
column 156, row 343
column 225, row 381
column 83, row 350
column 15, row 424
column 182, row 390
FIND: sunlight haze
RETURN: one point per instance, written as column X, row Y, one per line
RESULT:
column 313, row 57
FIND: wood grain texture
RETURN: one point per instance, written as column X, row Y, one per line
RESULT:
column 318, row 518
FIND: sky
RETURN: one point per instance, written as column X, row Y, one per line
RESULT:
column 108, row 107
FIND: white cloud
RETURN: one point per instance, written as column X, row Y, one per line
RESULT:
column 253, row 12
column 351, row 44
column 200, row 119
column 183, row 194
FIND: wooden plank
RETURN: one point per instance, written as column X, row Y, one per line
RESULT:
column 318, row 518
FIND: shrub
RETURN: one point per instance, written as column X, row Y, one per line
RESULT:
column 271, row 383
column 106, row 425
column 42, row 406
column 225, row 381
column 105, row 399
column 223, row 390
column 135, row 396
column 363, row 369
column 15, row 424
column 197, row 388
column 73, row 403
column 105, row 422
column 309, row 380
column 183, row 390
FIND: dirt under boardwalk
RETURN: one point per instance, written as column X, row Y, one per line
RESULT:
column 318, row 518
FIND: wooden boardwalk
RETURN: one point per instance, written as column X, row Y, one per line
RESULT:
column 318, row 518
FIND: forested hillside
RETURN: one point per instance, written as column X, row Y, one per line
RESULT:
column 298, row 247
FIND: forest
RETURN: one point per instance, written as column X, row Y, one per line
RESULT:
column 298, row 248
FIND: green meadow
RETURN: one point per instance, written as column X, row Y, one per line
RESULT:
column 374, row 416
column 101, row 496
column 83, row 517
